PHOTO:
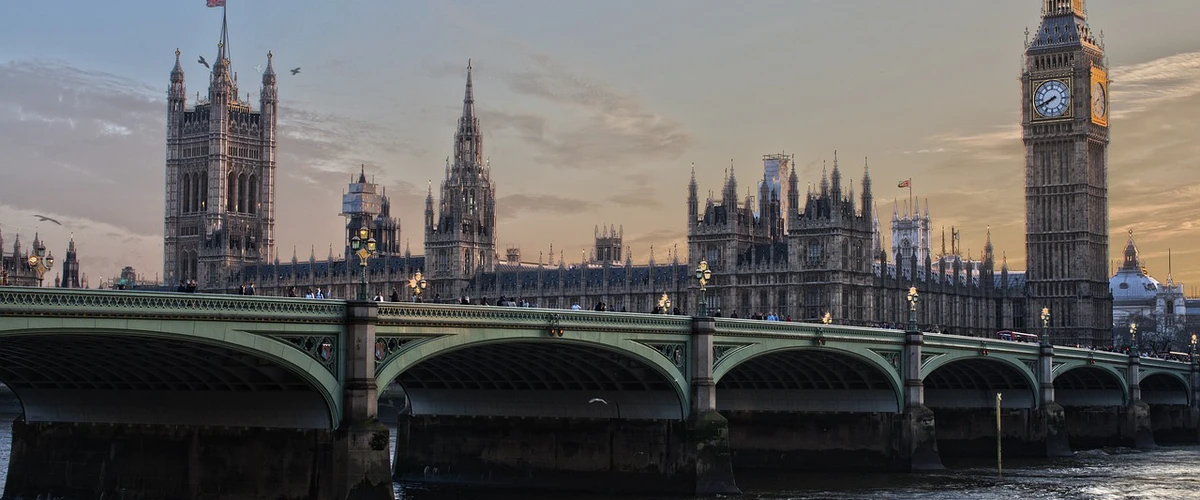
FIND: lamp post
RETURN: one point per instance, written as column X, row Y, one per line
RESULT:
column 1133, row 345
column 703, row 275
column 40, row 262
column 1192, row 349
column 364, row 247
column 417, row 284
column 664, row 303
column 1045, row 326
column 913, row 296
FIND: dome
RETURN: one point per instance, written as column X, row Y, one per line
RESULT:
column 1131, row 284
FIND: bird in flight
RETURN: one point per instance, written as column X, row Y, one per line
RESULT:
column 43, row 218
column 202, row 61
column 296, row 71
column 259, row 69
column 597, row 400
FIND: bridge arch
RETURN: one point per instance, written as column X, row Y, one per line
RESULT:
column 968, row 380
column 528, row 373
column 1079, row 384
column 806, row 378
column 1162, row 387
column 179, row 373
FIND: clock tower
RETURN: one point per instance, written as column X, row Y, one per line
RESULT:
column 1064, row 118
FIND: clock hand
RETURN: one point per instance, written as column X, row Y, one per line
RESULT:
column 1047, row 101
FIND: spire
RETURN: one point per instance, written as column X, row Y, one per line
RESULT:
column 177, row 71
column 468, row 141
column 223, row 46
column 270, row 66
column 836, row 178
column 362, row 174
column 468, row 96
column 824, row 179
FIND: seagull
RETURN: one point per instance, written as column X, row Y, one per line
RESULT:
column 259, row 69
column 295, row 71
column 597, row 400
column 202, row 61
column 43, row 218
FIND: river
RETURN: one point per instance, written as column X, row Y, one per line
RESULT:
column 1166, row 473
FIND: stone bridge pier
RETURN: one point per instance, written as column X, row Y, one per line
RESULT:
column 131, row 413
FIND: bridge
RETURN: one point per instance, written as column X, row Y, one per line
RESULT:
column 180, row 395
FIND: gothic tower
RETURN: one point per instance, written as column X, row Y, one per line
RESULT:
column 1064, row 89
column 220, row 176
column 70, row 268
column 461, row 241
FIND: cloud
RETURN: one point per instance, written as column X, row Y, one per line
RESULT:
column 509, row 207
column 614, row 131
column 641, row 196
column 1137, row 87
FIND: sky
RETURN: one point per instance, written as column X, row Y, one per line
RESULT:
column 593, row 113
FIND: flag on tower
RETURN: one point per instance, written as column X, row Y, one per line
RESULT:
column 905, row 183
column 216, row 3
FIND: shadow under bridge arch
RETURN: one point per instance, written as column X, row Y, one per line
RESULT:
column 166, row 378
column 540, row 378
column 972, row 382
column 807, row 380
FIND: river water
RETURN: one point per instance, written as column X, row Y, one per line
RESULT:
column 1166, row 473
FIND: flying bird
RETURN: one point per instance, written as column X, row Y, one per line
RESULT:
column 296, row 71
column 202, row 61
column 597, row 400
column 43, row 218
column 259, row 69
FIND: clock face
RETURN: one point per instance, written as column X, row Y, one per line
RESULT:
column 1052, row 99
column 1099, row 100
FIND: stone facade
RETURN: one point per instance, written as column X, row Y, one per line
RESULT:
column 220, row 176
column 1064, row 88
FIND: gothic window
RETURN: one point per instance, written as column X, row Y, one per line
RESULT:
column 202, row 194
column 814, row 253
column 241, row 197
column 185, row 194
column 252, row 195
column 231, row 193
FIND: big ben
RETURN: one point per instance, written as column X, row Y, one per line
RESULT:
column 1064, row 102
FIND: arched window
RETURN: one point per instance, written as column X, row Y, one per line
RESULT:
column 185, row 194
column 241, row 199
column 252, row 195
column 231, row 193
column 202, row 194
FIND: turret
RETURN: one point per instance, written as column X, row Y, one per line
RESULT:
column 693, row 200
column 836, row 180
column 867, row 199
column 729, row 196
column 793, row 193
column 429, row 212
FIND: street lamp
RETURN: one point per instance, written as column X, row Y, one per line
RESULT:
column 1192, row 350
column 827, row 318
column 1133, row 346
column 664, row 303
column 913, row 296
column 703, row 275
column 1045, row 326
column 417, row 284
column 40, row 262
column 364, row 247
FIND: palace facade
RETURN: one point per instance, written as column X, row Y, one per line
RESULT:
column 797, row 254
